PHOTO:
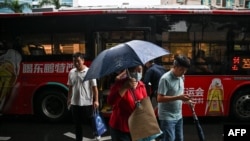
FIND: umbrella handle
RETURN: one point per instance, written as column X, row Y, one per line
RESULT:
column 198, row 126
column 128, row 74
column 192, row 105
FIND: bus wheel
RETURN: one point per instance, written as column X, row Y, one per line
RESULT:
column 51, row 105
column 241, row 105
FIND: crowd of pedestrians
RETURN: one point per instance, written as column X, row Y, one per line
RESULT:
column 128, row 86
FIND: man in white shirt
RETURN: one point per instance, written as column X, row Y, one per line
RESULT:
column 82, row 96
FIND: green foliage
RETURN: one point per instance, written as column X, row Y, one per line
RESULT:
column 14, row 5
column 56, row 3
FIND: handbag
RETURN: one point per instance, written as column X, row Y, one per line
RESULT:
column 143, row 124
column 99, row 122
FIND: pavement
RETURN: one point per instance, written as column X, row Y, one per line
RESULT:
column 19, row 128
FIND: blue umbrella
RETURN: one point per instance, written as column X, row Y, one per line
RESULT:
column 122, row 56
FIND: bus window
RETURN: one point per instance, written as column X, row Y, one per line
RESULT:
column 243, row 47
column 69, row 43
column 175, row 49
column 205, row 58
column 52, row 44
column 36, row 50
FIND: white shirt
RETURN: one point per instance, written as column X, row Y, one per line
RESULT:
column 82, row 94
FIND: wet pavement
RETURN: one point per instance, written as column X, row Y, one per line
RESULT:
column 22, row 128
column 29, row 129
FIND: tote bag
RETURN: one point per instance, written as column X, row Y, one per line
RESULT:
column 142, row 122
column 100, row 125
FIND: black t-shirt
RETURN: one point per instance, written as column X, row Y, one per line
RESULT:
column 153, row 75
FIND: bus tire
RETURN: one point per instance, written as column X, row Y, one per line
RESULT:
column 241, row 105
column 51, row 105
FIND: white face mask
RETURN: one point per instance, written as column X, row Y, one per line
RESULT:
column 136, row 75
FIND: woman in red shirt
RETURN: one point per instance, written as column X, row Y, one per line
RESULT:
column 123, row 102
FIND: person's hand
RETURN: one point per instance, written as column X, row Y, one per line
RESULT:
column 130, row 83
column 191, row 103
column 185, row 97
column 121, row 76
column 96, row 104
column 68, row 103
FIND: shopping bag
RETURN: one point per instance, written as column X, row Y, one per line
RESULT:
column 143, row 124
column 99, row 122
column 150, row 138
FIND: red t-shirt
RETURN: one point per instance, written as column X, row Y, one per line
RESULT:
column 123, row 106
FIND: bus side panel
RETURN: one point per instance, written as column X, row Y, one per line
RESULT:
column 211, row 93
column 31, row 77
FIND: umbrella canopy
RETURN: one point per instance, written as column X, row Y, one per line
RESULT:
column 122, row 56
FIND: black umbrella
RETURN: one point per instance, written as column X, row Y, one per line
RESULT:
column 123, row 56
column 197, row 123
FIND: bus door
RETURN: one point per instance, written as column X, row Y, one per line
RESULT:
column 108, row 39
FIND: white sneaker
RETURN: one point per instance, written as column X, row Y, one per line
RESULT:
column 98, row 138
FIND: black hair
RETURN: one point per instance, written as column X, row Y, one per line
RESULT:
column 182, row 61
column 79, row 54
column 132, row 68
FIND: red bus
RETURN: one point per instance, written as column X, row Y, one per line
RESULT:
column 33, row 74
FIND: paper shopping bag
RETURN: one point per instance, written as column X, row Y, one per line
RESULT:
column 142, row 122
